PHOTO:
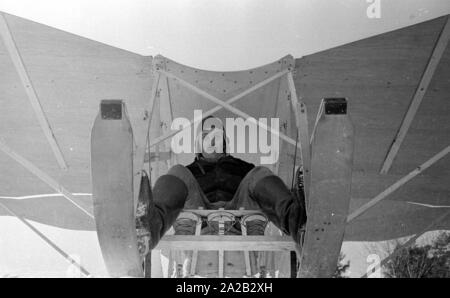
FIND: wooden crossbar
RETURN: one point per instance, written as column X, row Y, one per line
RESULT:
column 301, row 121
column 226, row 243
column 398, row 184
column 219, row 107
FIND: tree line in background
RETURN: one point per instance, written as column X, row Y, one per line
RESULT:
column 427, row 261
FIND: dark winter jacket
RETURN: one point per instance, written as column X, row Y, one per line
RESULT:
column 220, row 180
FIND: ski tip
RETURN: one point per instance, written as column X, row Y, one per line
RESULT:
column 335, row 106
column 111, row 109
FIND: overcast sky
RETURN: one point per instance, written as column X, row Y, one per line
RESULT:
column 225, row 34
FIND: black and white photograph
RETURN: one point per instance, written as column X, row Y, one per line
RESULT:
column 229, row 142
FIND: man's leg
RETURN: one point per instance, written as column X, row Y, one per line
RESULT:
column 195, row 196
column 261, row 189
column 172, row 192
column 186, row 225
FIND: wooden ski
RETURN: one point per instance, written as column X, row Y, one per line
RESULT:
column 331, row 178
column 112, row 189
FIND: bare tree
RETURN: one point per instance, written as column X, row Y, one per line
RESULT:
column 428, row 261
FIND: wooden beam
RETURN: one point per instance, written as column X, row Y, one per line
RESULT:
column 319, row 114
column 156, row 168
column 398, row 184
column 44, row 177
column 66, row 256
column 412, row 240
column 301, row 121
column 218, row 108
column 165, row 121
column 139, row 154
column 13, row 51
column 198, row 231
column 227, row 243
column 421, row 90
column 280, row 111
column 229, row 107
column 221, row 259
column 248, row 268
column 173, row 157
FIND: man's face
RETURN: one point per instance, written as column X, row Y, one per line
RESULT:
column 212, row 139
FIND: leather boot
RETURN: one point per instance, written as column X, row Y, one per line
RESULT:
column 164, row 204
column 282, row 208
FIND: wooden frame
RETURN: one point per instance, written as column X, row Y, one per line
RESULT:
column 227, row 106
column 223, row 243
column 217, row 108
column 297, row 107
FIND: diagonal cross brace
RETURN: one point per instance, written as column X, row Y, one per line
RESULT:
column 398, row 184
column 228, row 107
column 218, row 108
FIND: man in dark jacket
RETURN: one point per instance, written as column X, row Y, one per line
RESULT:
column 217, row 180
